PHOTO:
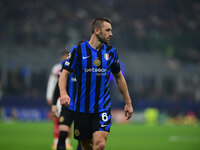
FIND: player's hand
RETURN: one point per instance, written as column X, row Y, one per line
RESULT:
column 65, row 100
column 54, row 109
column 128, row 109
column 49, row 102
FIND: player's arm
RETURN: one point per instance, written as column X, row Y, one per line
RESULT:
column 68, row 67
column 62, row 82
column 51, row 86
column 121, row 83
column 56, row 94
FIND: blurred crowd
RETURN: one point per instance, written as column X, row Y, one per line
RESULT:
column 166, row 26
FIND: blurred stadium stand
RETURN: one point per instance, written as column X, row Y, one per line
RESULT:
column 158, row 42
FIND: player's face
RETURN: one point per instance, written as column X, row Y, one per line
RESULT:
column 105, row 33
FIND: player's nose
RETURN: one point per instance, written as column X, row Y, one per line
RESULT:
column 110, row 34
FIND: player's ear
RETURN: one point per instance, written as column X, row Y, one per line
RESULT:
column 96, row 30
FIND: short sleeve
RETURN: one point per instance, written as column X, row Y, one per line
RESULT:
column 115, row 67
column 71, row 60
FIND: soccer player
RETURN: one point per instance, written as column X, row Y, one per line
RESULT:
column 64, row 113
column 51, row 85
column 93, row 61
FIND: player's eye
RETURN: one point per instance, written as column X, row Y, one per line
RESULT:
column 108, row 29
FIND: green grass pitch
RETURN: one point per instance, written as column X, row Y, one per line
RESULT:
column 38, row 136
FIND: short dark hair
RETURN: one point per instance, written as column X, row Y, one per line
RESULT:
column 65, row 52
column 97, row 23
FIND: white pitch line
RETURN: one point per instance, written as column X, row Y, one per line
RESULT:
column 175, row 138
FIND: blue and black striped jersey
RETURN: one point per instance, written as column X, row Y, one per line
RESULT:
column 92, row 68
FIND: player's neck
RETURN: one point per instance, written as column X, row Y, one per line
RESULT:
column 95, row 43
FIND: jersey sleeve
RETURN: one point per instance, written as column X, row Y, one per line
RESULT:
column 53, row 78
column 71, row 61
column 115, row 67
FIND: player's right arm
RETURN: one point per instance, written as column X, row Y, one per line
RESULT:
column 64, row 97
column 68, row 67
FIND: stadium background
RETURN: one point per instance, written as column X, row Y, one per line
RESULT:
column 158, row 43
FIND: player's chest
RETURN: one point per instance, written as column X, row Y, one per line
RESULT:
column 102, row 60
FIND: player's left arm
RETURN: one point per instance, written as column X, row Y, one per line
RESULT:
column 121, row 83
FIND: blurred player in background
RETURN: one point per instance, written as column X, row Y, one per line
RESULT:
column 53, row 79
column 93, row 61
column 65, row 114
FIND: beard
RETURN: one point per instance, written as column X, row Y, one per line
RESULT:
column 102, row 40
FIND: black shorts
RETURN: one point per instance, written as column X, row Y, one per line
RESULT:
column 85, row 124
column 66, row 116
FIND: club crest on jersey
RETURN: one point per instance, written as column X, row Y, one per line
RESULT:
column 61, row 119
column 106, row 56
column 97, row 62
column 76, row 132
